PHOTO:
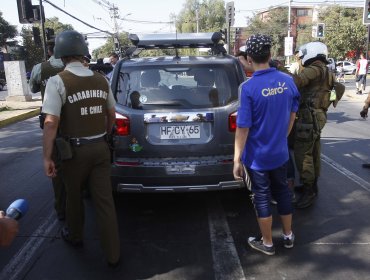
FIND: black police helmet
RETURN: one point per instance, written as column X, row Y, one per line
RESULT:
column 70, row 43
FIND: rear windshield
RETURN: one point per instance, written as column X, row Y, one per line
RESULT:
column 183, row 87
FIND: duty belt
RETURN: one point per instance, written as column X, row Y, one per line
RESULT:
column 84, row 141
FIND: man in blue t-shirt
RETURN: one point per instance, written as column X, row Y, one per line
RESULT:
column 268, row 105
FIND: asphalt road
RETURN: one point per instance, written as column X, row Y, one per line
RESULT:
column 200, row 235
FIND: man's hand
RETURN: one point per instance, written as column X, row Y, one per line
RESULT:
column 50, row 168
column 363, row 113
column 8, row 229
column 238, row 170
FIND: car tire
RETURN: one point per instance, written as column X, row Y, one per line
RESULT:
column 353, row 72
column 1, row 87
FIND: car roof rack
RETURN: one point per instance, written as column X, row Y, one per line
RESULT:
column 213, row 40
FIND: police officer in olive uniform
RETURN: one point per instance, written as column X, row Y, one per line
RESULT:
column 40, row 74
column 314, row 82
column 79, row 103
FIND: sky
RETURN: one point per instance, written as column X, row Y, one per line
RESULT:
column 134, row 11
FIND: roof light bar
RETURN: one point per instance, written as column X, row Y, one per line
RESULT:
column 176, row 40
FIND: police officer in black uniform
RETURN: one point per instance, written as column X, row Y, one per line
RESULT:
column 80, row 105
column 40, row 74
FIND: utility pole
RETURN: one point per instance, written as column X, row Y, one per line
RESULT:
column 43, row 31
column 289, row 23
column 230, row 13
column 197, row 18
column 367, row 42
column 114, row 15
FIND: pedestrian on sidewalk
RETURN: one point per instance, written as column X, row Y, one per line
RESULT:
column 80, row 104
column 268, row 102
column 340, row 74
column 361, row 72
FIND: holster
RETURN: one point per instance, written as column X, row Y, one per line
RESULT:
column 42, row 120
column 304, row 132
column 64, row 148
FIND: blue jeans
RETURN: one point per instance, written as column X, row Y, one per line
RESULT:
column 267, row 184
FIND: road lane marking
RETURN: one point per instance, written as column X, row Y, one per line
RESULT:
column 358, row 180
column 341, row 243
column 17, row 265
column 226, row 262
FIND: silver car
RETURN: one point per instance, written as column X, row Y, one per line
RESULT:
column 348, row 67
column 176, row 117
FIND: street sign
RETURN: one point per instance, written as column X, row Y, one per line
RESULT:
column 288, row 46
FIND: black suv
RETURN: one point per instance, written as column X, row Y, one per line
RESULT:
column 175, row 116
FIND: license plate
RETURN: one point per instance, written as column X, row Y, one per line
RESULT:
column 179, row 131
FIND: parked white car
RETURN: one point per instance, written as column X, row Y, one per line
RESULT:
column 349, row 67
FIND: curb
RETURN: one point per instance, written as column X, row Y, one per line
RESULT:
column 20, row 117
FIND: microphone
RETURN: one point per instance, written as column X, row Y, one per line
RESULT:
column 17, row 209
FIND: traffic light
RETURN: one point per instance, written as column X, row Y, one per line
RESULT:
column 36, row 36
column 366, row 18
column 320, row 30
column 29, row 13
column 49, row 32
column 230, row 13
column 25, row 11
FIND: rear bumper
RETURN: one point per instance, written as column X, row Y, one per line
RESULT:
column 214, row 177
column 227, row 185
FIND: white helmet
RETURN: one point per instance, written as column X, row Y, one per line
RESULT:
column 313, row 51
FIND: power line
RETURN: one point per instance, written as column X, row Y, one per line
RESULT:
column 89, row 25
column 146, row 21
column 283, row 4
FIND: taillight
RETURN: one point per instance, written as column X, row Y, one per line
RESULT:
column 122, row 125
column 232, row 121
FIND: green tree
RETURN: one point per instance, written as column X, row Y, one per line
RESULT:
column 344, row 30
column 7, row 31
column 109, row 46
column 211, row 16
column 35, row 53
column 275, row 25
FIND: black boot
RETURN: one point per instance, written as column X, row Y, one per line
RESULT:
column 306, row 199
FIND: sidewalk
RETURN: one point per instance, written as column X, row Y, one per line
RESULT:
column 12, row 112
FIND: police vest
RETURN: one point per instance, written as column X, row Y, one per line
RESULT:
column 85, row 110
column 317, row 93
column 47, row 71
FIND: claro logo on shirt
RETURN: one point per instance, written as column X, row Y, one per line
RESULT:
column 273, row 91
